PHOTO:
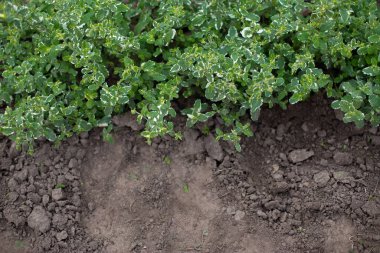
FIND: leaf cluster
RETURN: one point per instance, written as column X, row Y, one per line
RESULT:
column 69, row 65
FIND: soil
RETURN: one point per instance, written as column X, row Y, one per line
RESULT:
column 306, row 182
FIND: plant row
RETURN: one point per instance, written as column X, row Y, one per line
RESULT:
column 68, row 66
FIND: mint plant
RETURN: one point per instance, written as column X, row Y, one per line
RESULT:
column 68, row 66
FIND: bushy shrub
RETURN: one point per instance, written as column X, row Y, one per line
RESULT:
column 69, row 65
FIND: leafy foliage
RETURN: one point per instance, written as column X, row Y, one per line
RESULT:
column 69, row 65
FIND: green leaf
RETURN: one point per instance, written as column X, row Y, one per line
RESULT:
column 374, row 100
column 158, row 77
column 197, row 105
column 49, row 134
column 6, row 97
column 175, row 68
column 295, row 98
column 335, row 105
column 186, row 188
column 354, row 116
column 238, row 147
column 148, row 66
column 83, row 126
column 247, row 32
column 198, row 20
column 252, row 17
column 372, row 71
column 60, row 186
column 235, row 57
column 375, row 38
column 216, row 91
column 167, row 160
column 7, row 131
column 218, row 24
column 232, row 32
column 144, row 20
column 255, row 104
column 344, row 15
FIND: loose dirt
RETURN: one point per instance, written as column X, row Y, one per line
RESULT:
column 306, row 182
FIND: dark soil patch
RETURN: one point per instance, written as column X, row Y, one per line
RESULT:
column 305, row 183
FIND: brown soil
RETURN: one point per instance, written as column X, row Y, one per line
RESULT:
column 305, row 183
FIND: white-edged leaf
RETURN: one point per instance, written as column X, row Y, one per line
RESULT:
column 175, row 68
column 372, row 70
column 247, row 32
